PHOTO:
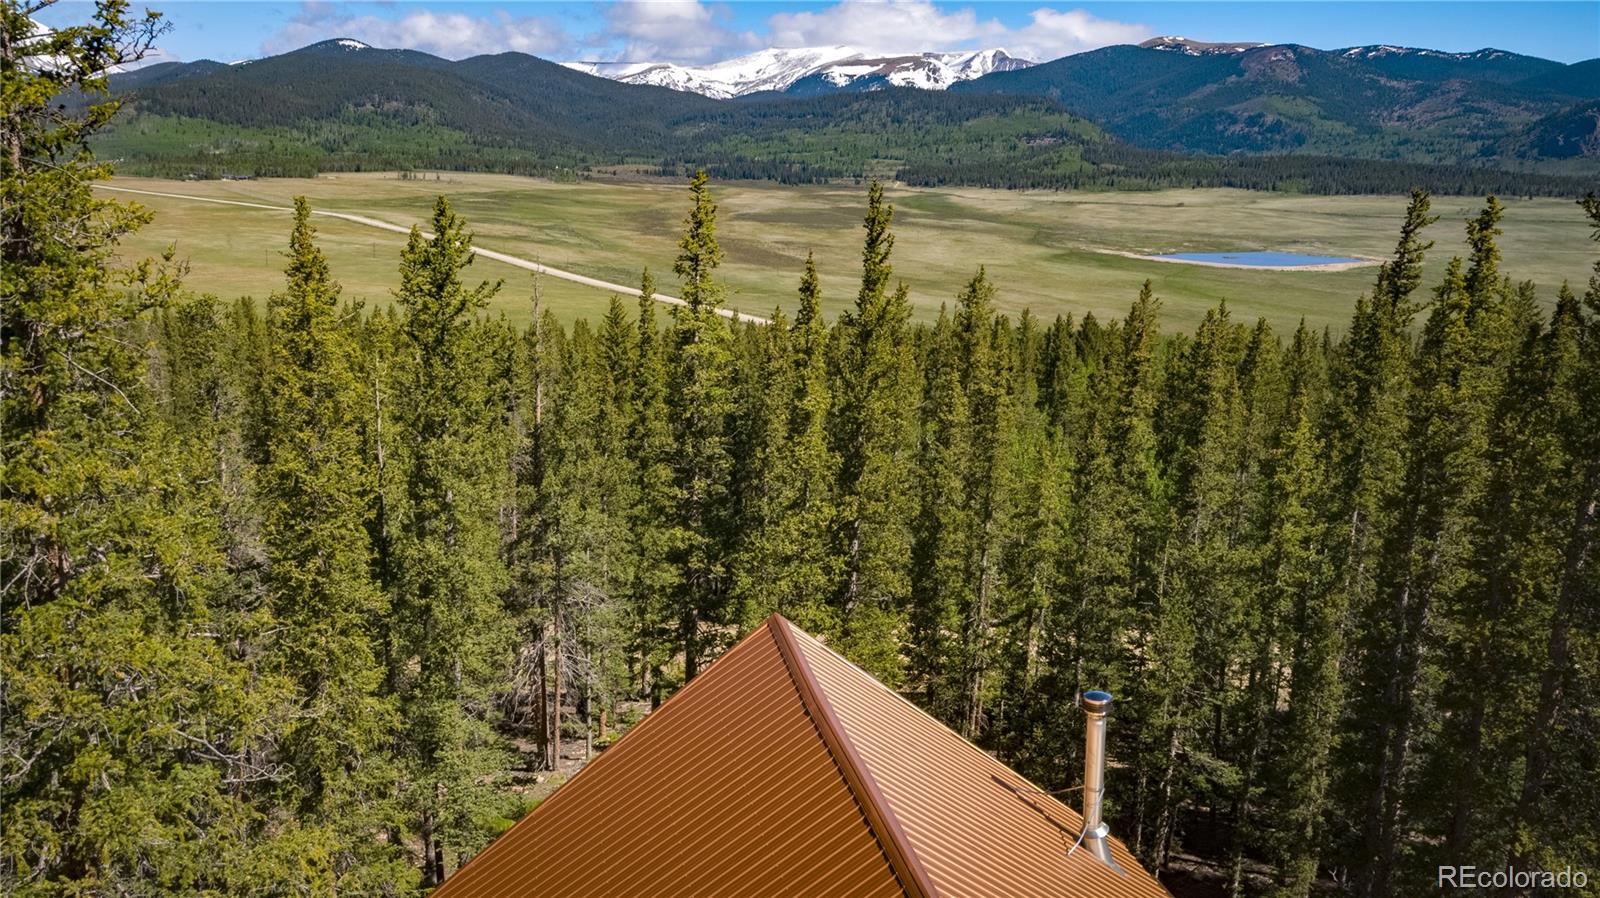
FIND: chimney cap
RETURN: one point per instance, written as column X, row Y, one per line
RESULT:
column 1096, row 701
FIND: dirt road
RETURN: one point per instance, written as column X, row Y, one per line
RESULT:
column 508, row 259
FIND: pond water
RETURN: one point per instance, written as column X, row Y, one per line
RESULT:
column 1265, row 259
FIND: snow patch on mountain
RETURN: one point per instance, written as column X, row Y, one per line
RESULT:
column 840, row 66
column 1379, row 50
column 1180, row 44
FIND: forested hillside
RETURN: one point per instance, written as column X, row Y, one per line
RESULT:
column 288, row 583
column 331, row 107
column 1366, row 102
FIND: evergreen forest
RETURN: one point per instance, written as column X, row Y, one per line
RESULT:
column 294, row 589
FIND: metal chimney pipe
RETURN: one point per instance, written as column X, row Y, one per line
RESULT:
column 1096, row 834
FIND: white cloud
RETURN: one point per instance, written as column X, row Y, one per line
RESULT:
column 1055, row 33
column 671, row 31
column 450, row 34
column 894, row 26
column 890, row 26
column 692, row 31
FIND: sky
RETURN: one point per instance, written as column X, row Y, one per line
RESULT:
column 692, row 31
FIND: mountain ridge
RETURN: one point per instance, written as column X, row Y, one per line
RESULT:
column 1120, row 116
column 840, row 67
column 1380, row 102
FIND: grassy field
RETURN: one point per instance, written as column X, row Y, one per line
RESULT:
column 1049, row 251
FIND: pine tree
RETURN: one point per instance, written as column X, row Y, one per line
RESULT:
column 617, row 359
column 812, row 567
column 582, row 544
column 764, row 488
column 1032, row 539
column 1195, row 623
column 543, row 374
column 1297, row 574
column 124, row 697
column 1489, row 624
column 313, row 493
column 650, row 444
column 1064, row 376
column 968, row 450
column 1460, row 366
column 1115, row 531
column 699, row 404
column 941, row 550
column 1365, row 434
column 451, row 634
column 874, row 429
column 1558, row 735
column 1242, row 723
column 210, row 372
column 985, row 356
column 1122, row 601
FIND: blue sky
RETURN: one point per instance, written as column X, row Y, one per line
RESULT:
column 695, row 31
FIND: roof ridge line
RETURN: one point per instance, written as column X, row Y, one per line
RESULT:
column 975, row 748
column 594, row 763
column 880, row 817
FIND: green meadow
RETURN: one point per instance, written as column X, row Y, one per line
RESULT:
column 1053, row 252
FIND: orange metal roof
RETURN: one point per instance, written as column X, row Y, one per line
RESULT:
column 974, row 825
column 784, row 770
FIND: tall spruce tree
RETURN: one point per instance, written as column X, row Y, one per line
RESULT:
column 1124, row 611
column 543, row 378
column 1460, row 366
column 986, row 352
column 1194, row 621
column 1095, row 629
column 1365, row 434
column 786, row 470
column 1297, row 572
column 699, row 404
column 137, row 739
column 650, row 444
column 1490, row 624
column 874, row 428
column 313, row 491
column 1032, row 540
column 208, row 365
column 615, row 361
column 811, row 565
column 764, row 490
column 941, row 548
column 582, row 545
column 967, row 453
column 1558, row 733
column 1262, row 638
column 450, row 630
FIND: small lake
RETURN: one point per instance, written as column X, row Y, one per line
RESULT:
column 1264, row 259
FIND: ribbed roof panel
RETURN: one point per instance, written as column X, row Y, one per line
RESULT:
column 784, row 770
column 728, row 789
column 974, row 836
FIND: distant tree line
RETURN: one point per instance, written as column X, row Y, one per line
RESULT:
column 283, row 582
column 1126, row 167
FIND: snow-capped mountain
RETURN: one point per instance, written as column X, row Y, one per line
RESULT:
column 810, row 70
column 1178, row 44
column 1378, row 51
